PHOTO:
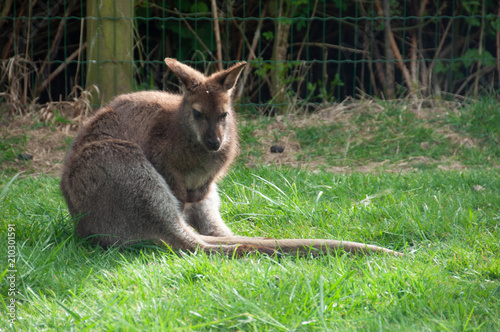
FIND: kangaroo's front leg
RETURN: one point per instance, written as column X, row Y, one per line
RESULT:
column 204, row 216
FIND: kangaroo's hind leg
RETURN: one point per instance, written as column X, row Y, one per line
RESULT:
column 120, row 198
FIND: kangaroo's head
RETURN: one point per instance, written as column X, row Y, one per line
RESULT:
column 207, row 104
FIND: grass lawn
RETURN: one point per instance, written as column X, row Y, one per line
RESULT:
column 446, row 221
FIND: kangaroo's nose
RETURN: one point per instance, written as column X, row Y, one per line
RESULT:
column 213, row 144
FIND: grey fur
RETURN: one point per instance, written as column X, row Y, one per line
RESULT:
column 145, row 167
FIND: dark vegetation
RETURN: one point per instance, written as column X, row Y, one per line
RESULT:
column 301, row 53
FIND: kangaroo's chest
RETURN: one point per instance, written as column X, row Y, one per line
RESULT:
column 195, row 179
column 199, row 173
column 191, row 184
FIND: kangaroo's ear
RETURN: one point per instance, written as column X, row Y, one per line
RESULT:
column 228, row 78
column 188, row 76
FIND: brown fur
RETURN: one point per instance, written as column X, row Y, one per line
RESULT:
column 145, row 167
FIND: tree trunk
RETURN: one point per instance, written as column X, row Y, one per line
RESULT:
column 109, row 48
column 280, row 50
column 389, row 55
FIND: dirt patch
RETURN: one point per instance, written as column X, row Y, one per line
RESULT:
column 49, row 132
column 46, row 145
column 343, row 114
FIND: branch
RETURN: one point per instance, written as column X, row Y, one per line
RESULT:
column 251, row 51
column 422, row 8
column 169, row 11
column 395, row 50
column 337, row 47
column 477, row 74
column 440, row 46
column 6, row 49
column 307, row 30
column 498, row 47
column 5, row 11
column 57, row 38
column 195, row 34
column 217, row 34
column 476, row 82
column 400, row 62
column 61, row 67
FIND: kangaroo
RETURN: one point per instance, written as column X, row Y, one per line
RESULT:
column 145, row 168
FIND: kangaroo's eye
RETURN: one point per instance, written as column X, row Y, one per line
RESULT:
column 197, row 115
column 224, row 115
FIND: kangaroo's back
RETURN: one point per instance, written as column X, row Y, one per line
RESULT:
column 137, row 113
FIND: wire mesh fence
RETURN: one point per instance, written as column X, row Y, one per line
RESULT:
column 301, row 54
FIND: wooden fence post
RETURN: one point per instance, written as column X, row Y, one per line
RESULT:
column 109, row 47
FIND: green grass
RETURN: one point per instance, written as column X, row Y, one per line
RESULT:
column 450, row 279
column 468, row 134
column 10, row 148
column 481, row 120
column 447, row 222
